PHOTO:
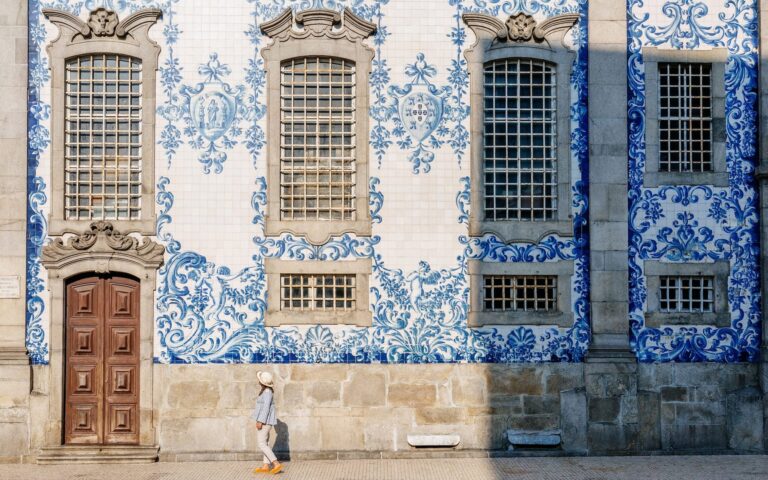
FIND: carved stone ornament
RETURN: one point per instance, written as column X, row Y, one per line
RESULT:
column 318, row 22
column 520, row 27
column 102, row 22
column 100, row 243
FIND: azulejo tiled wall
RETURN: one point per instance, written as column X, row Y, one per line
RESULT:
column 700, row 223
column 211, row 189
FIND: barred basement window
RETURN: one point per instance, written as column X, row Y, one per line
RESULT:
column 685, row 117
column 310, row 292
column 520, row 125
column 103, row 138
column 686, row 294
column 317, row 140
column 503, row 293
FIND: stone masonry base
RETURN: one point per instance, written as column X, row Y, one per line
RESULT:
column 354, row 411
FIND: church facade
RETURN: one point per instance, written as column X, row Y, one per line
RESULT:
column 447, row 227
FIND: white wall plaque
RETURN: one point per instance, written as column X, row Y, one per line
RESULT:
column 9, row 286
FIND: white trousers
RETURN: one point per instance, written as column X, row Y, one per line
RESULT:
column 262, row 441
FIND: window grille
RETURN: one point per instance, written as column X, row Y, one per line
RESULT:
column 685, row 117
column 687, row 294
column 520, row 157
column 317, row 141
column 520, row 293
column 310, row 292
column 102, row 162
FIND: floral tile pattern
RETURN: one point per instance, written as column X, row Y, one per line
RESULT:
column 211, row 190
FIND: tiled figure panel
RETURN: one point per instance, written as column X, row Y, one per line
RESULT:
column 211, row 201
column 697, row 223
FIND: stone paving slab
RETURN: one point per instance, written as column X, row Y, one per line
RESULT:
column 570, row 468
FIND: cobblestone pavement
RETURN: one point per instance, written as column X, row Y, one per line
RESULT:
column 593, row 468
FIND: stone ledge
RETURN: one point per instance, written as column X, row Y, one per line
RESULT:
column 13, row 356
column 531, row 438
column 421, row 453
column 442, row 441
column 90, row 454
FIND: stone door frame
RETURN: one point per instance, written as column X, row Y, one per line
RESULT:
column 99, row 250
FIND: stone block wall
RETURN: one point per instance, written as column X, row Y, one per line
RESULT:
column 203, row 410
column 332, row 411
column 696, row 407
column 14, row 364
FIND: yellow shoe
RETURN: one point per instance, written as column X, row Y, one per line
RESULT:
column 277, row 468
column 261, row 469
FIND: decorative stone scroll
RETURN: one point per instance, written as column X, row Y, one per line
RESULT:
column 100, row 244
column 102, row 22
column 523, row 28
column 318, row 23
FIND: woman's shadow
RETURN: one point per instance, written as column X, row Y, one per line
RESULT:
column 282, row 442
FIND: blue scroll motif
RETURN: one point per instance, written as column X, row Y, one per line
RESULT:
column 212, row 313
column 698, row 223
column 208, row 313
column 38, row 141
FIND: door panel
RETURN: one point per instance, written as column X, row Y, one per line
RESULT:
column 102, row 361
column 121, row 360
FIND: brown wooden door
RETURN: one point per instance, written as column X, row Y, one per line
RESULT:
column 102, row 371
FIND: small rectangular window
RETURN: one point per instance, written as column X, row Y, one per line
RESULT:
column 103, row 137
column 520, row 156
column 317, row 292
column 686, row 294
column 317, row 139
column 502, row 293
column 685, row 117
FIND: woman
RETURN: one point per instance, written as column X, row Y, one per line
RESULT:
column 265, row 417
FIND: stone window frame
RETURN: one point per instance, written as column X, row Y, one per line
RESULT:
column 361, row 316
column 129, row 37
column 717, row 57
column 562, row 317
column 520, row 37
column 654, row 270
column 327, row 33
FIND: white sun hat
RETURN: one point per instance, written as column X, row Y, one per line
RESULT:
column 265, row 378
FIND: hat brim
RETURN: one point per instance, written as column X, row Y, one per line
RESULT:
column 262, row 382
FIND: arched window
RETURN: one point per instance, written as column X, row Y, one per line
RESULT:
column 520, row 139
column 317, row 162
column 317, row 124
column 520, row 99
column 102, row 129
column 102, row 144
column 317, row 139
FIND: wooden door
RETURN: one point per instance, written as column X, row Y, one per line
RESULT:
column 102, row 355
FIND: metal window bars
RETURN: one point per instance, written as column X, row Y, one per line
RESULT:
column 317, row 139
column 685, row 117
column 313, row 292
column 536, row 293
column 103, row 135
column 520, row 133
column 686, row 294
